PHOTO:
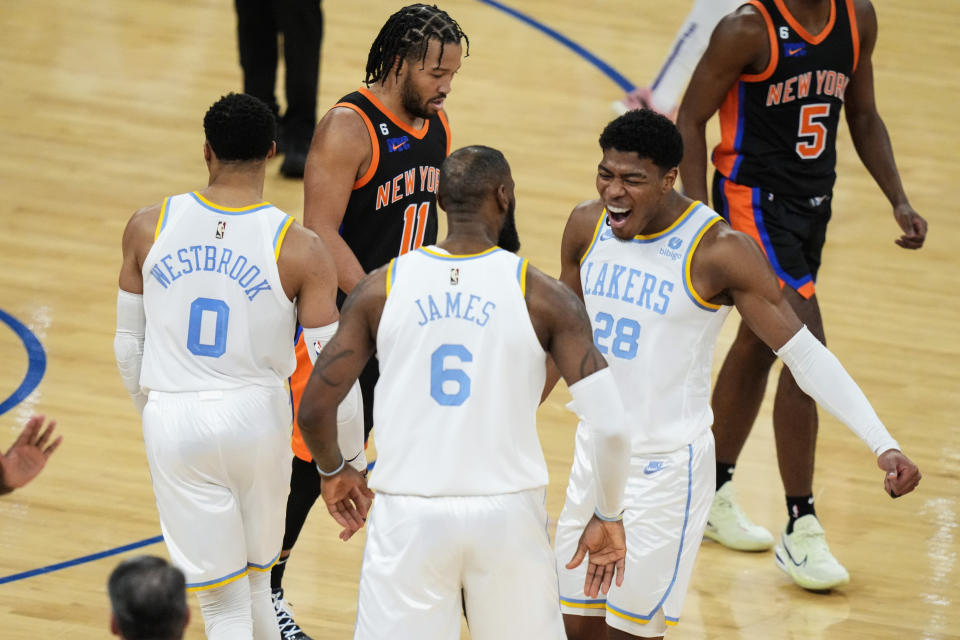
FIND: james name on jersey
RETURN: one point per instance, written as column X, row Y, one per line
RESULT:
column 459, row 306
column 212, row 259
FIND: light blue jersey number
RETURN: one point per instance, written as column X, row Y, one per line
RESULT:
column 222, row 311
column 626, row 336
column 440, row 375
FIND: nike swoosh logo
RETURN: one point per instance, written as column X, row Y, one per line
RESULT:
column 394, row 147
column 652, row 467
column 793, row 52
column 795, row 563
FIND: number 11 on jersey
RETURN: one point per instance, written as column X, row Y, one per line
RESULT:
column 414, row 218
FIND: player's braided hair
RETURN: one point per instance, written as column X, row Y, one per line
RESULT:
column 407, row 34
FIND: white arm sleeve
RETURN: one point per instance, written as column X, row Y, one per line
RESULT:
column 822, row 377
column 597, row 401
column 350, row 412
column 128, row 344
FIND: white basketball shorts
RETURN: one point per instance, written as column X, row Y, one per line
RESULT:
column 220, row 464
column 421, row 552
column 667, row 501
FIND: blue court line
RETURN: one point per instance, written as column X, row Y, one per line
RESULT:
column 604, row 68
column 36, row 357
column 80, row 560
column 578, row 49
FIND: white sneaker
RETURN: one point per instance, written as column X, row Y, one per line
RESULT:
column 289, row 630
column 805, row 556
column 728, row 524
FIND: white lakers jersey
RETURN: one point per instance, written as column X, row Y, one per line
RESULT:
column 655, row 331
column 461, row 372
column 217, row 316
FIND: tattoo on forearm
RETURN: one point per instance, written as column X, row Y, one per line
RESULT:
column 591, row 362
column 326, row 361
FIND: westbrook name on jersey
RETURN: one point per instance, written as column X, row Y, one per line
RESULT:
column 217, row 315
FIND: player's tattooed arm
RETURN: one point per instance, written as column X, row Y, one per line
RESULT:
column 563, row 327
column 338, row 366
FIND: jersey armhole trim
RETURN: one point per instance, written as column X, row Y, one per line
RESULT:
column 280, row 235
column 374, row 145
column 391, row 274
column 596, row 234
column 774, row 48
column 522, row 275
column 162, row 220
column 854, row 33
column 446, row 128
column 688, row 262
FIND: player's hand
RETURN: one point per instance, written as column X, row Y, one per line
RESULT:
column 913, row 225
column 28, row 454
column 348, row 500
column 902, row 475
column 605, row 546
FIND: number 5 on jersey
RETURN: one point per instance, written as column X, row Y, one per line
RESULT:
column 812, row 133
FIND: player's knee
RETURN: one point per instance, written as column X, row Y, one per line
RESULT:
column 226, row 611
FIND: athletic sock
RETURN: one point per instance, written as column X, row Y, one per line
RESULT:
column 724, row 473
column 276, row 575
column 797, row 507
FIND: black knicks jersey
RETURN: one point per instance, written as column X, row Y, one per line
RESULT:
column 779, row 127
column 393, row 207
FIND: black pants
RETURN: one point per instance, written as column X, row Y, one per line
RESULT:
column 259, row 23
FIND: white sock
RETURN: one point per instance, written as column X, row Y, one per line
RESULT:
column 686, row 50
column 264, row 617
column 226, row 611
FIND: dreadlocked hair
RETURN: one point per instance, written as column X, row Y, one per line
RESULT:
column 407, row 34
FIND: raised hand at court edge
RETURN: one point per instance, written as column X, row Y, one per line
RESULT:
column 28, row 454
column 902, row 475
column 605, row 546
column 913, row 225
column 348, row 500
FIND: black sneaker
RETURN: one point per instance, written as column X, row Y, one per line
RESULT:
column 289, row 630
column 294, row 160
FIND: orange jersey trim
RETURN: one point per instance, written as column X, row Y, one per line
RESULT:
column 854, row 33
column 374, row 146
column 725, row 155
column 298, row 382
column 416, row 133
column 446, row 127
column 774, row 46
column 740, row 212
column 806, row 35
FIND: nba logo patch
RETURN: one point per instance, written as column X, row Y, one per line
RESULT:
column 455, row 275
column 316, row 347
column 221, row 228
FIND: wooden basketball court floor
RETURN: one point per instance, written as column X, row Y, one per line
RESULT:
column 101, row 114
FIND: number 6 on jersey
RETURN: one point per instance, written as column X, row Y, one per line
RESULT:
column 449, row 387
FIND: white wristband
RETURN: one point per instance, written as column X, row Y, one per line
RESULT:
column 330, row 474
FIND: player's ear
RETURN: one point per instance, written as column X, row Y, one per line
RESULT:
column 273, row 150
column 207, row 151
column 503, row 197
column 669, row 180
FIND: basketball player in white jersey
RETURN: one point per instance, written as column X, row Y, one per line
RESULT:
column 463, row 330
column 658, row 273
column 212, row 285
